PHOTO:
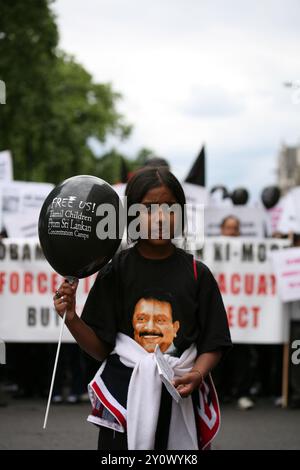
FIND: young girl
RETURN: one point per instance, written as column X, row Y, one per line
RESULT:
column 153, row 297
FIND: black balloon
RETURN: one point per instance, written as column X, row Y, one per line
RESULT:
column 270, row 196
column 240, row 196
column 72, row 226
column 224, row 190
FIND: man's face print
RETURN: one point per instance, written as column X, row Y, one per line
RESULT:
column 153, row 324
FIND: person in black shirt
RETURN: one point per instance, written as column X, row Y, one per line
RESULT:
column 146, row 290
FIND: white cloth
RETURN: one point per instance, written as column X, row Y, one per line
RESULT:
column 144, row 394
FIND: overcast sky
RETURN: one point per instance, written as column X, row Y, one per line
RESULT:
column 193, row 72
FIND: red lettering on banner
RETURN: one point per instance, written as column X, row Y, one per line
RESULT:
column 293, row 261
column 273, row 283
column 243, row 317
column 262, row 285
column 28, row 287
column 41, row 282
column 230, row 315
column 221, row 282
column 256, row 311
column 36, row 282
column 235, row 284
column 290, row 273
column 2, row 281
column 54, row 282
column 249, row 284
column 14, row 283
column 294, row 285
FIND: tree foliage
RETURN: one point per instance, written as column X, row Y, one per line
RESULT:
column 52, row 105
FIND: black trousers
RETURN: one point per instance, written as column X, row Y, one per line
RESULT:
column 113, row 440
column 294, row 368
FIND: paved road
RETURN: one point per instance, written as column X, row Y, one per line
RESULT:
column 264, row 427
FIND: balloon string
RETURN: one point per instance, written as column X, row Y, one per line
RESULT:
column 54, row 369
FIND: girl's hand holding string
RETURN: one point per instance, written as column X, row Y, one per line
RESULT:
column 65, row 299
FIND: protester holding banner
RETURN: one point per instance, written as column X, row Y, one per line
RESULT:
column 240, row 361
column 295, row 337
column 152, row 294
column 230, row 226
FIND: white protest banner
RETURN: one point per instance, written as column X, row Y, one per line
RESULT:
column 195, row 194
column 290, row 215
column 22, row 225
column 24, row 196
column 244, row 272
column 196, row 198
column 252, row 220
column 21, row 204
column 273, row 217
column 287, row 269
column 27, row 286
column 1, row 211
column 242, row 268
column 6, row 167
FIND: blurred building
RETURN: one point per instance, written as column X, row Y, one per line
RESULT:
column 288, row 167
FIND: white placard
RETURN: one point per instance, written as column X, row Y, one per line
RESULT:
column 290, row 216
column 1, row 212
column 274, row 216
column 196, row 199
column 21, row 204
column 287, row 269
column 252, row 220
column 6, row 166
column 195, row 194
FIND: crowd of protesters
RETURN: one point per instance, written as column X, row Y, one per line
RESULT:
column 248, row 371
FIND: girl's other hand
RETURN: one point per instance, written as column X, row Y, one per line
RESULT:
column 189, row 382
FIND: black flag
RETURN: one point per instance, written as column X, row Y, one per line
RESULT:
column 197, row 172
column 123, row 171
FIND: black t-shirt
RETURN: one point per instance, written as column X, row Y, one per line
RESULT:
column 158, row 301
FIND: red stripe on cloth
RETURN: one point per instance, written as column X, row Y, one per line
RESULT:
column 96, row 412
column 195, row 269
column 108, row 405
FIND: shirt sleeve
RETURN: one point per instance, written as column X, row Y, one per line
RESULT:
column 100, row 309
column 212, row 317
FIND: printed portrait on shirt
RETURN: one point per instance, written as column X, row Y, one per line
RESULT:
column 155, row 321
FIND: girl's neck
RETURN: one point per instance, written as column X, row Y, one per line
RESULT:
column 147, row 250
